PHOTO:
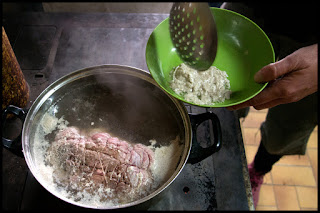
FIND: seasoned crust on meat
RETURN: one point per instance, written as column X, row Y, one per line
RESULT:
column 100, row 160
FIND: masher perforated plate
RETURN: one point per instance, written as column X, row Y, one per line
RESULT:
column 193, row 33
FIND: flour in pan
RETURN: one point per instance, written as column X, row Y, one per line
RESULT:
column 165, row 156
column 54, row 174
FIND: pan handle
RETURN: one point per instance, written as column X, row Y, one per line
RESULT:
column 14, row 145
column 199, row 153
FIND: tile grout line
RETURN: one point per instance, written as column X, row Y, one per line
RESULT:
column 313, row 148
column 313, row 172
column 279, row 184
column 295, row 188
column 250, row 127
column 293, row 165
column 275, row 197
column 274, row 194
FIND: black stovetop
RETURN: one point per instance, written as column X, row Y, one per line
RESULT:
column 50, row 45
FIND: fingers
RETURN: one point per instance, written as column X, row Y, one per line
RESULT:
column 263, row 97
column 239, row 106
column 278, row 92
column 270, row 104
column 275, row 70
column 260, row 106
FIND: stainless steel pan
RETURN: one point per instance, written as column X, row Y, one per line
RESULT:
column 124, row 100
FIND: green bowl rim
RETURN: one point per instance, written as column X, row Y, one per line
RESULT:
column 216, row 105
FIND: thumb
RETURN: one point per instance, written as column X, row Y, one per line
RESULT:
column 275, row 70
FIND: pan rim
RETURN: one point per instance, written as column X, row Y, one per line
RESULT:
column 63, row 81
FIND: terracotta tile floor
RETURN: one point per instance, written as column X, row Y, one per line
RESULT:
column 293, row 182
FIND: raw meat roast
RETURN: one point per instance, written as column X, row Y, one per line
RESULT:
column 101, row 162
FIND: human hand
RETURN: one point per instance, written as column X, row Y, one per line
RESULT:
column 290, row 79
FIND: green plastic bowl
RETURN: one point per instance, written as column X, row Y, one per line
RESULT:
column 243, row 49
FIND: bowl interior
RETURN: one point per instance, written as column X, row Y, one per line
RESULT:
column 243, row 49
